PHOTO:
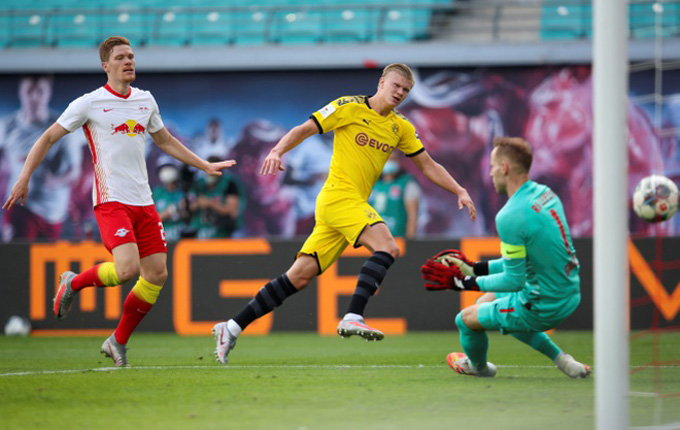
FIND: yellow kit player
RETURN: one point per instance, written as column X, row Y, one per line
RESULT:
column 367, row 130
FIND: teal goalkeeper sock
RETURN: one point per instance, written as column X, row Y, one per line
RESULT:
column 475, row 343
column 540, row 342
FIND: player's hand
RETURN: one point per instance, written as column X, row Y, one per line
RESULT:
column 464, row 200
column 272, row 164
column 457, row 258
column 215, row 169
column 18, row 194
column 440, row 277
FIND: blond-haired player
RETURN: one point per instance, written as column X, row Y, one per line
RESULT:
column 367, row 130
column 115, row 119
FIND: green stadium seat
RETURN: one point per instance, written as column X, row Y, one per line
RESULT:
column 350, row 25
column 171, row 28
column 74, row 28
column 297, row 25
column 404, row 25
column 251, row 26
column 211, row 28
column 134, row 24
column 28, row 29
column 566, row 21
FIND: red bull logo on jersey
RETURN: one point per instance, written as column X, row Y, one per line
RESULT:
column 130, row 127
column 362, row 139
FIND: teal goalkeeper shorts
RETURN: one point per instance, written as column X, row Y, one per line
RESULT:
column 509, row 315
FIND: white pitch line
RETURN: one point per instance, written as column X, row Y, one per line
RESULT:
column 270, row 366
column 246, row 366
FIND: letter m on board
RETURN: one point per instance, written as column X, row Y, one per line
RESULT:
column 62, row 255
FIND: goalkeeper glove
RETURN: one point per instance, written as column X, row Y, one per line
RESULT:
column 441, row 277
column 466, row 266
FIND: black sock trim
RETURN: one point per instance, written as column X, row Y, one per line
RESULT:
column 270, row 296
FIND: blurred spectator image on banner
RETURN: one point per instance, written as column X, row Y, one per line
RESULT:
column 457, row 115
column 212, row 141
column 47, row 204
column 560, row 128
column 456, row 112
column 171, row 202
column 396, row 197
column 306, row 172
column 268, row 203
column 217, row 207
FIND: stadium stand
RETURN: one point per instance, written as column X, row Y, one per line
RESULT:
column 72, row 23
column 573, row 19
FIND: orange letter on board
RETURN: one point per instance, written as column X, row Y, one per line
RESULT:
column 330, row 286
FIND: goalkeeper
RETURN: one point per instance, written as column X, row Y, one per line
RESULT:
column 532, row 288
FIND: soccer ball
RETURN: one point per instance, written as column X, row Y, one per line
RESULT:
column 655, row 198
column 17, row 326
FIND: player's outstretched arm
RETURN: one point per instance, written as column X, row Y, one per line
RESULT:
column 272, row 164
column 172, row 146
column 35, row 157
column 436, row 173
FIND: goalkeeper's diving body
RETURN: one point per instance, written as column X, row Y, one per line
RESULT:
column 532, row 288
column 367, row 130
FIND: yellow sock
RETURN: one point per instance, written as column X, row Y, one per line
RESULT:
column 147, row 291
column 107, row 274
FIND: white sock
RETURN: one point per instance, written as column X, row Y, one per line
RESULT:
column 349, row 316
column 234, row 328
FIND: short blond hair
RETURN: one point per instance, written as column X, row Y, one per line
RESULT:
column 107, row 46
column 400, row 68
column 516, row 150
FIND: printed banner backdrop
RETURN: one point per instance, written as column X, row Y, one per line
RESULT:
column 210, row 281
column 241, row 115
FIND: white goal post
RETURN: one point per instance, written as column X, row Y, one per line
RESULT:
column 610, row 205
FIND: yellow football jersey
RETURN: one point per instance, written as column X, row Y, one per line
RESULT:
column 363, row 141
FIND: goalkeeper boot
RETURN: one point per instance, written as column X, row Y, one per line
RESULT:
column 571, row 367
column 460, row 363
column 115, row 351
column 225, row 342
column 64, row 297
column 347, row 328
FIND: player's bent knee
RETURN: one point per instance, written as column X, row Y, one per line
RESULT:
column 127, row 271
column 468, row 316
column 157, row 276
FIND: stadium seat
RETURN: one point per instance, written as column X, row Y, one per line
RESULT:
column 171, row 28
column 74, row 28
column 134, row 24
column 403, row 25
column 297, row 25
column 211, row 27
column 566, row 21
column 251, row 25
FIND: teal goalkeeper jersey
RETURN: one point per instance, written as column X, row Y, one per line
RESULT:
column 538, row 257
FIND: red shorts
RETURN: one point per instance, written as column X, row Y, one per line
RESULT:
column 120, row 223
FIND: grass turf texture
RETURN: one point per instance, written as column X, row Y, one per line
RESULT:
column 303, row 381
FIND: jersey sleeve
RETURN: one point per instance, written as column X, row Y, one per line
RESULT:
column 75, row 115
column 512, row 277
column 410, row 143
column 155, row 121
column 334, row 114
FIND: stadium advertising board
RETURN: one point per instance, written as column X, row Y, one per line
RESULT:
column 211, row 280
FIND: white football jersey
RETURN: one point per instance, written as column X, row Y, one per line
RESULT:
column 115, row 127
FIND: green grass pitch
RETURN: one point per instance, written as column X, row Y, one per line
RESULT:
column 302, row 381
